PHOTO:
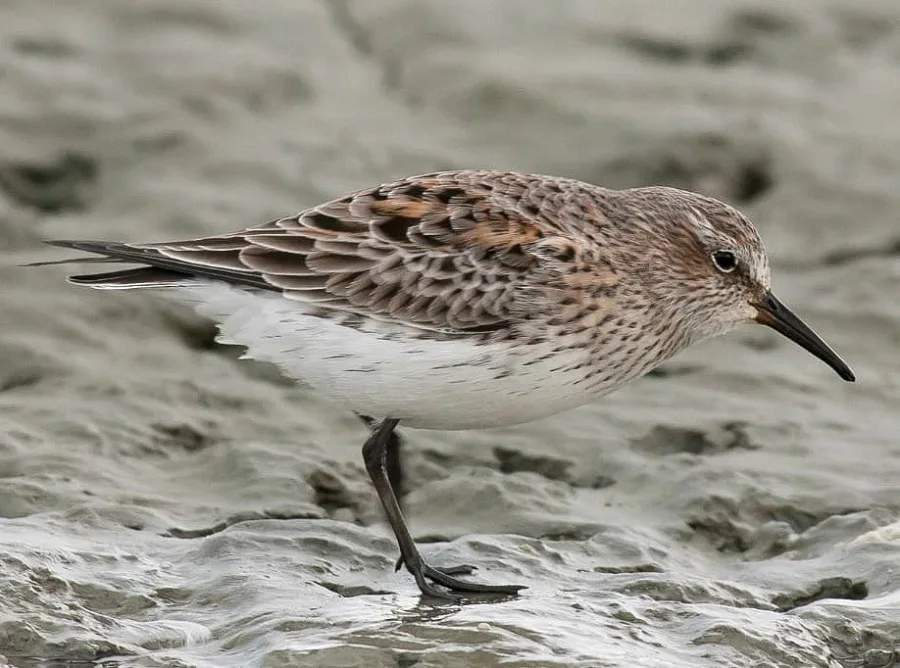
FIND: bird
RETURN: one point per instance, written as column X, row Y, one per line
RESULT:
column 468, row 299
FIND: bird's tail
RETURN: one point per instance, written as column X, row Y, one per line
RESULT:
column 158, row 271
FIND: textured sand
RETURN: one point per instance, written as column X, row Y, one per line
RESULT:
column 166, row 505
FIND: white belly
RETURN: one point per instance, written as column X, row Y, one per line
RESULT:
column 425, row 383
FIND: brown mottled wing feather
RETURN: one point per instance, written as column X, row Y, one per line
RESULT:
column 441, row 251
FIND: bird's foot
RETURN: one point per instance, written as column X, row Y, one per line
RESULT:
column 462, row 569
column 423, row 572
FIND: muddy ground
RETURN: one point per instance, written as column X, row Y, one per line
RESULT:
column 164, row 504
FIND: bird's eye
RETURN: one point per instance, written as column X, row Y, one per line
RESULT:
column 725, row 260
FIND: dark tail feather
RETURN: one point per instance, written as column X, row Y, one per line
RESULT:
column 158, row 270
column 113, row 251
column 71, row 260
column 144, row 277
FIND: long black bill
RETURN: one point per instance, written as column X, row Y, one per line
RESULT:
column 779, row 317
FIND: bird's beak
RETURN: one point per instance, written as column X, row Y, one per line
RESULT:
column 771, row 312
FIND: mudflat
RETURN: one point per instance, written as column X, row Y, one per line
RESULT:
column 166, row 504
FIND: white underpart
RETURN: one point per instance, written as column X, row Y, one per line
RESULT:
column 426, row 383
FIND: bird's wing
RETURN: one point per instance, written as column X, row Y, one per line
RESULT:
column 441, row 251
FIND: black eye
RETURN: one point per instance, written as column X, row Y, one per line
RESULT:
column 725, row 260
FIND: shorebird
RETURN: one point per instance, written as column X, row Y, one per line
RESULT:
column 469, row 299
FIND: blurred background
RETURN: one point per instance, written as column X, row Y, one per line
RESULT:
column 162, row 504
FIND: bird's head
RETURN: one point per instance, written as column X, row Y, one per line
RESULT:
column 705, row 266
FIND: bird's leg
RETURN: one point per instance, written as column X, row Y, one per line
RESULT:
column 375, row 457
column 393, row 460
column 394, row 465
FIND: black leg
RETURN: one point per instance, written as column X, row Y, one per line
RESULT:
column 375, row 457
column 393, row 460
column 394, row 465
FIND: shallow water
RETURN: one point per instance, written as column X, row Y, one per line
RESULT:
column 164, row 504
